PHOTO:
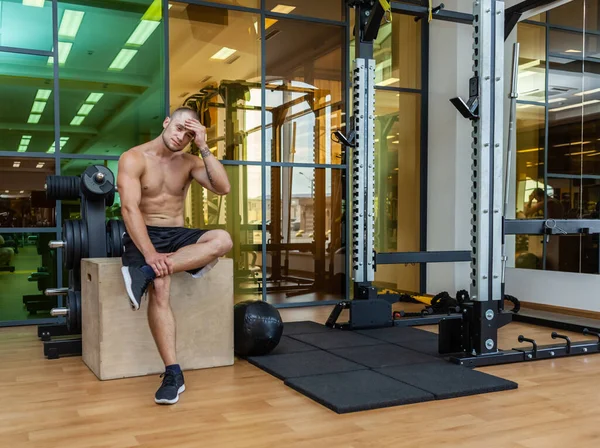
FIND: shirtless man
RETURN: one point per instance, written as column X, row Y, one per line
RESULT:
column 153, row 181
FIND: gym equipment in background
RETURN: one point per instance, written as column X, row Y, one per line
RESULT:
column 471, row 334
column 82, row 238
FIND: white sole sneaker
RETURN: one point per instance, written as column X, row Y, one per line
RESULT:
column 127, row 279
column 174, row 400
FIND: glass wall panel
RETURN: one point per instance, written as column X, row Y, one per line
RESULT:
column 26, row 24
column 111, row 84
column 214, row 57
column 532, row 62
column 240, row 214
column 569, row 15
column 397, row 52
column 330, row 9
column 22, row 193
column 244, row 3
column 306, row 260
column 27, row 268
column 27, row 103
column 305, row 101
column 529, row 251
column 397, row 184
column 566, row 144
column 530, row 155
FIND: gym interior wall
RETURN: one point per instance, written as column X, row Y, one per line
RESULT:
column 74, row 96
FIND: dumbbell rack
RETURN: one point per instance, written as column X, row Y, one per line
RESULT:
column 96, row 189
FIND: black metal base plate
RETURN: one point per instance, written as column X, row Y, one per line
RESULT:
column 62, row 347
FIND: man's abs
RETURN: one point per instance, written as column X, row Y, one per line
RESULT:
column 163, row 189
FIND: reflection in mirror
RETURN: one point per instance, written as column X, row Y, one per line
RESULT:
column 23, row 200
column 27, row 268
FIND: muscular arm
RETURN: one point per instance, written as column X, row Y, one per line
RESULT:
column 131, row 168
column 210, row 173
column 531, row 210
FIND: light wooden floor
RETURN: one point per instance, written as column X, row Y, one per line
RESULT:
column 60, row 403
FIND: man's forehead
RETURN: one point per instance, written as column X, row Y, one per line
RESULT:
column 179, row 119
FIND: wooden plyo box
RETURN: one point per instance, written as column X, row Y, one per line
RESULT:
column 116, row 341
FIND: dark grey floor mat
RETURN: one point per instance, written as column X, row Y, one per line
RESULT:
column 360, row 370
column 383, row 355
column 399, row 334
column 293, row 365
column 337, row 339
column 446, row 380
column 357, row 391
column 427, row 347
column 303, row 327
column 289, row 345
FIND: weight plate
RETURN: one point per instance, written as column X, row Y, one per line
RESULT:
column 77, row 311
column 76, row 243
column 114, row 237
column 85, row 245
column 62, row 187
column 70, row 311
column 97, row 181
column 68, row 238
column 110, row 198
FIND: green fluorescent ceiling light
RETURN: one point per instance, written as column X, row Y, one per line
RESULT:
column 37, row 3
column 93, row 98
column 143, row 31
column 77, row 120
column 85, row 109
column 38, row 107
column 123, row 58
column 24, row 143
column 64, row 48
column 34, row 118
column 70, row 23
column 42, row 95
column 63, row 142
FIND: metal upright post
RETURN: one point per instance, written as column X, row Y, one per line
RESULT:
column 486, row 242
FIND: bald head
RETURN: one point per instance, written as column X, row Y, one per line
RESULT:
column 185, row 112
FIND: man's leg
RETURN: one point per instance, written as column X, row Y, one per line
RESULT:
column 162, row 325
column 162, row 320
column 212, row 245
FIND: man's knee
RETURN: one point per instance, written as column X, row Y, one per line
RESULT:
column 222, row 243
column 161, row 286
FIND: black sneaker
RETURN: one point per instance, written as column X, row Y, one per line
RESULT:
column 136, row 284
column 172, row 385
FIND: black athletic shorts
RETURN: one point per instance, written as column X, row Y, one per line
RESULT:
column 164, row 240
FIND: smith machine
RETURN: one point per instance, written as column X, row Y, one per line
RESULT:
column 471, row 336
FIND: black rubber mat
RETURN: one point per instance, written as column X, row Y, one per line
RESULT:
column 357, row 391
column 427, row 347
column 289, row 345
column 303, row 327
column 317, row 362
column 446, row 380
column 397, row 335
column 383, row 355
column 336, row 339
column 349, row 371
